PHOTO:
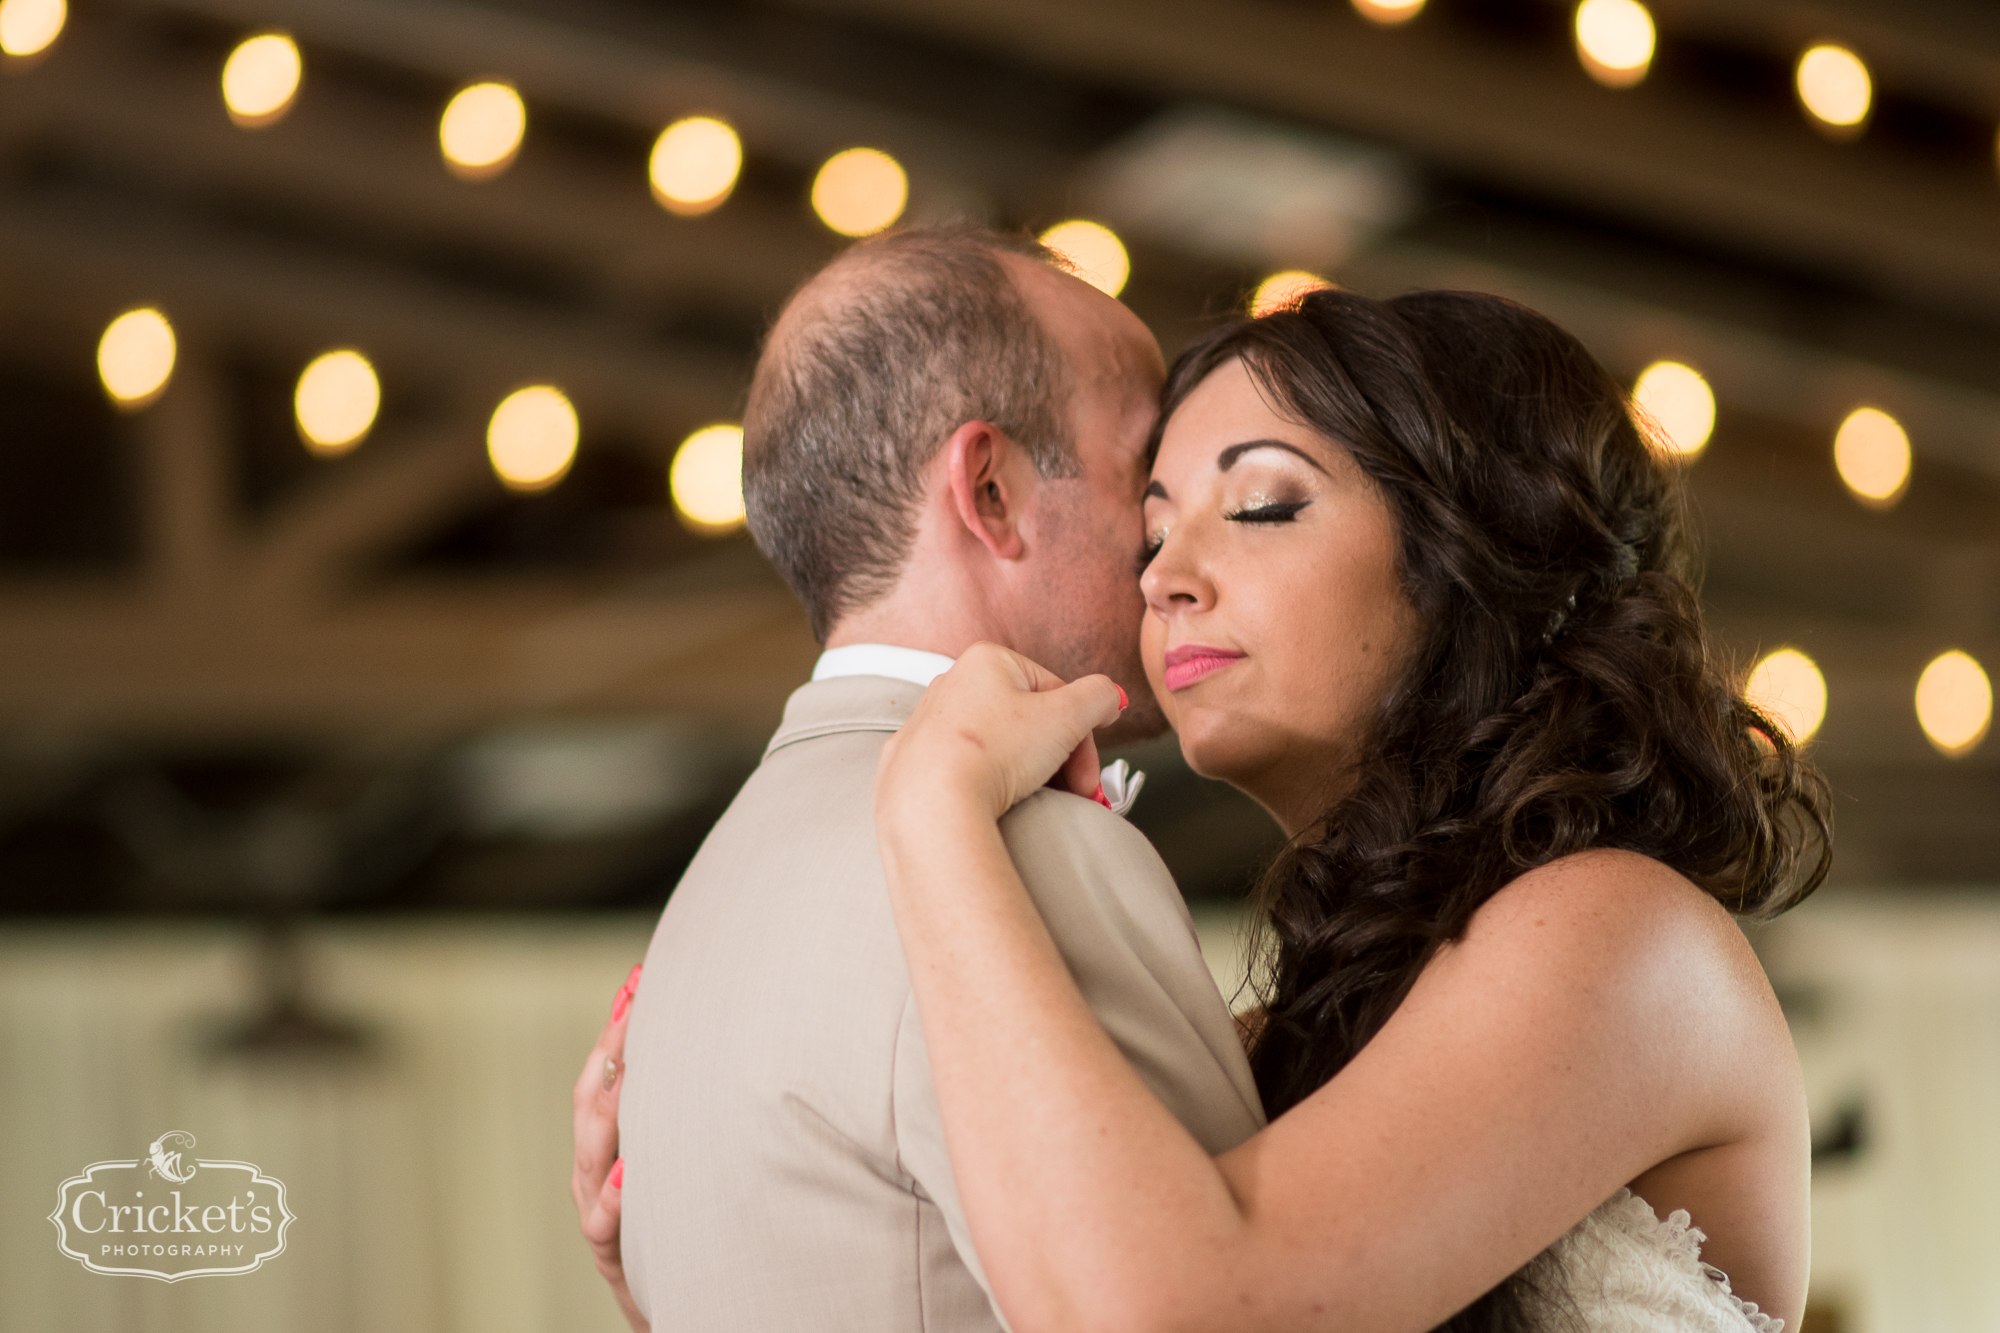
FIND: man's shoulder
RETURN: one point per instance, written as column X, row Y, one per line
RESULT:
column 819, row 766
column 847, row 705
column 804, row 799
column 1049, row 813
column 1057, row 835
column 1118, row 919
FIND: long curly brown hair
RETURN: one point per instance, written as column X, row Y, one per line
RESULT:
column 1564, row 694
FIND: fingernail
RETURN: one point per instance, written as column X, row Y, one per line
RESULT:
column 1122, row 700
column 623, row 1001
column 618, row 1174
column 1099, row 797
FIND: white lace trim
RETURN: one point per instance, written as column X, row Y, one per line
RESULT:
column 1630, row 1272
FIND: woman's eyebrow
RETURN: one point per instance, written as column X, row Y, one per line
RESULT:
column 1227, row 458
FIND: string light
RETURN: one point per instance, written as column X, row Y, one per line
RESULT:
column 336, row 401
column 1955, row 703
column 135, row 357
column 30, row 27
column 860, row 191
column 1787, row 687
column 481, row 130
column 1389, row 12
column 1835, row 88
column 1096, row 251
column 706, row 480
column 1282, row 291
column 531, row 440
column 694, row 165
column 1680, row 402
column 260, row 80
column 1872, row 453
column 1615, row 39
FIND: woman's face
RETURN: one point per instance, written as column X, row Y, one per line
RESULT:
column 1275, row 622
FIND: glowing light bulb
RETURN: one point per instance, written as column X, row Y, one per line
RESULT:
column 260, row 80
column 860, row 191
column 30, row 27
column 1872, row 454
column 1389, row 11
column 1955, row 703
column 1679, row 400
column 481, row 130
column 531, row 440
column 1282, row 291
column 1835, row 87
column 1096, row 251
column 706, row 480
column 336, row 401
column 1788, row 688
column 694, row 165
column 1615, row 39
column 135, row 357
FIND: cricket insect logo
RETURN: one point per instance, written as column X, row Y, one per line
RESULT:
column 165, row 1155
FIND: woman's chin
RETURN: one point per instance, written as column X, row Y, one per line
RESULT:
column 1212, row 748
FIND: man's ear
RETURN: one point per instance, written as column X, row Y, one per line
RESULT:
column 981, row 467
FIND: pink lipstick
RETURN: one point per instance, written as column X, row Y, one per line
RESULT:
column 1191, row 661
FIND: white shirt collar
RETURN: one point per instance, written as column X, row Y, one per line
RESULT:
column 881, row 659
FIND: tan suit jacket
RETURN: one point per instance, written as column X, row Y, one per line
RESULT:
column 785, row 1165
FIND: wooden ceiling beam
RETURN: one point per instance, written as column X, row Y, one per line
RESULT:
column 1662, row 157
column 77, row 255
column 343, row 162
column 102, row 660
column 556, row 54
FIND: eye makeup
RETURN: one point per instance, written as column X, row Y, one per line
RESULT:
column 1260, row 507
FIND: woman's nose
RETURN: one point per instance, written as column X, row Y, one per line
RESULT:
column 1175, row 581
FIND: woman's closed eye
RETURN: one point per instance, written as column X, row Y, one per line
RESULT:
column 1148, row 550
column 1268, row 511
column 1258, row 510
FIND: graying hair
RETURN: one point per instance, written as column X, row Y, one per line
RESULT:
column 853, row 399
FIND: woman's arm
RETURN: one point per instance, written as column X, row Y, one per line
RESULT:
column 1588, row 1027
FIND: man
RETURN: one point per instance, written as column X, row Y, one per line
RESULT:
column 944, row 442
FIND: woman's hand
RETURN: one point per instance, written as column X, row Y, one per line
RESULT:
column 992, row 730
column 596, row 1179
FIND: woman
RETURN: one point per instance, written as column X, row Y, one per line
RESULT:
column 1416, row 583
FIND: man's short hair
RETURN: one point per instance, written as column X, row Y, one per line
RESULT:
column 861, row 383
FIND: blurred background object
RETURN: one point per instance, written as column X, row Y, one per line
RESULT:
column 372, row 570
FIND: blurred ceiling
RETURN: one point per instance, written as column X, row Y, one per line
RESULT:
column 186, row 586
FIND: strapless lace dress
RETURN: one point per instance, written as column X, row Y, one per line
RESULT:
column 1623, row 1270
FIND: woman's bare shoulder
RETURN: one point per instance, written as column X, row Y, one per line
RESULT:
column 1607, row 902
column 1615, row 942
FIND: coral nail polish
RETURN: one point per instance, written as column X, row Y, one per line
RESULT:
column 623, row 1000
column 1122, row 700
column 1099, row 797
column 618, row 1174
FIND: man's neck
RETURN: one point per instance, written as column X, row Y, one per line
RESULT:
column 947, row 632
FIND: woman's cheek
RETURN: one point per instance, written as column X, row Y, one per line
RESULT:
column 1152, row 656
